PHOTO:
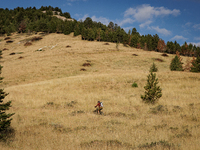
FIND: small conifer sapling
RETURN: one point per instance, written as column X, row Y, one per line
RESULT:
column 153, row 68
column 152, row 91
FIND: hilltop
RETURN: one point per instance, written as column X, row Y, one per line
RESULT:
column 57, row 14
column 31, row 20
column 55, row 82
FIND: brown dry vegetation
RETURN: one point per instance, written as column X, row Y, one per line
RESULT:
column 54, row 101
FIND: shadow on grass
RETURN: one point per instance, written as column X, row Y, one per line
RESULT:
column 114, row 144
column 7, row 135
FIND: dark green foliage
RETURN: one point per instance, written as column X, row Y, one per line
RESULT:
column 0, row 54
column 134, row 84
column 88, row 23
column 134, row 40
column 5, row 119
column 84, row 33
column 176, row 64
column 66, row 15
column 152, row 91
column 68, row 27
column 77, row 29
column 91, row 35
column 196, row 65
column 31, row 19
column 153, row 68
column 155, row 42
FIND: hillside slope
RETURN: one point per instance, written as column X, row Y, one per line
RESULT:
column 54, row 100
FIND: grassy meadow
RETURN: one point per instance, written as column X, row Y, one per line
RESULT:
column 53, row 100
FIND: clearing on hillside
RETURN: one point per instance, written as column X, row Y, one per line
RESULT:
column 53, row 97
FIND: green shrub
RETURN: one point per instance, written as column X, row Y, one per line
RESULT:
column 152, row 91
column 134, row 84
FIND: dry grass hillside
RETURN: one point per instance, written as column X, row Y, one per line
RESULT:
column 54, row 84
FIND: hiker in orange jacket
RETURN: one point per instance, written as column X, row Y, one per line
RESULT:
column 99, row 106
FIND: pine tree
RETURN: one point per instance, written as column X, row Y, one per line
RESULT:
column 77, row 30
column 91, row 34
column 196, row 65
column 5, row 119
column 134, row 40
column 153, row 92
column 98, row 34
column 176, row 64
column 153, row 68
column 84, row 33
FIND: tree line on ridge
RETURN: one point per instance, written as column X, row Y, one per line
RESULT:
column 35, row 20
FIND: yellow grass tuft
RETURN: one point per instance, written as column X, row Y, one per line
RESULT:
column 54, row 101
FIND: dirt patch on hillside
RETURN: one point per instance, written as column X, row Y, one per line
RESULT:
column 86, row 65
column 36, row 39
column 158, row 59
column 28, row 44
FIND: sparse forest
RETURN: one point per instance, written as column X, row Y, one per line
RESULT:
column 35, row 20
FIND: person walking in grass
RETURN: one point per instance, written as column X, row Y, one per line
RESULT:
column 99, row 107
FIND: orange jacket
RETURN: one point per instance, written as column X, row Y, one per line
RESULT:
column 99, row 104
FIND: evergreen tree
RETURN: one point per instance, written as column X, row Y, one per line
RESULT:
column 110, row 36
column 91, row 35
column 84, row 33
column 5, row 119
column 153, row 68
column 177, row 47
column 134, row 32
column 51, row 26
column 68, row 27
column 142, row 42
column 102, row 35
column 59, row 26
column 171, row 47
column 98, row 34
column 134, row 40
column 66, row 15
column 196, row 65
column 152, row 91
column 111, row 26
column 129, row 37
column 77, row 30
column 149, row 42
column 88, row 23
column 197, row 52
column 176, row 64
column 155, row 42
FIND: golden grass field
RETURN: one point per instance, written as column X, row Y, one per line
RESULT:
column 53, row 100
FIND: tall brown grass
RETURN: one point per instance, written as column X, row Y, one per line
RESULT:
column 54, row 101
